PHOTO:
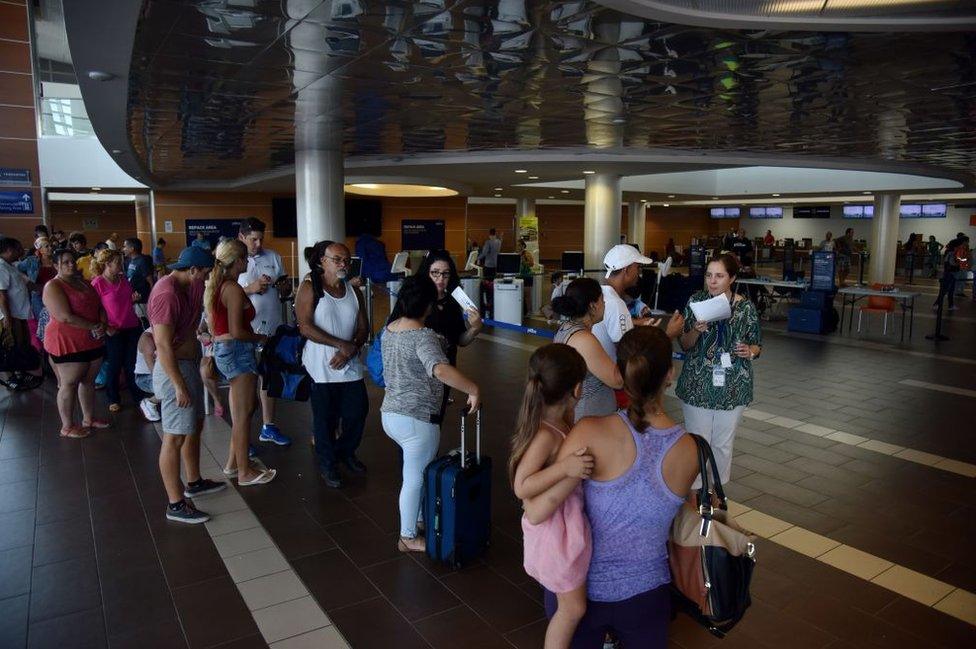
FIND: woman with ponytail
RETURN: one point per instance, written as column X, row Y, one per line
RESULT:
column 643, row 469
column 229, row 314
column 558, row 547
column 582, row 304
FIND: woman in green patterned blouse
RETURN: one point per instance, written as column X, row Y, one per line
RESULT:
column 715, row 384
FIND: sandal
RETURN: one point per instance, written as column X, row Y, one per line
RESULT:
column 218, row 410
column 114, row 407
column 75, row 432
column 96, row 423
column 264, row 477
column 403, row 544
column 257, row 465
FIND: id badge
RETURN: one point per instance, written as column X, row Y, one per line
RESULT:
column 718, row 377
column 726, row 360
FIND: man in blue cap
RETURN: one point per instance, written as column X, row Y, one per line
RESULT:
column 175, row 305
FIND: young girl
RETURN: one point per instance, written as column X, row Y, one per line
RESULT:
column 557, row 548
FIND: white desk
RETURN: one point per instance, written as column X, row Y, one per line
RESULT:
column 905, row 300
column 771, row 299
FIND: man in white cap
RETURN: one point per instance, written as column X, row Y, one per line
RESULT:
column 623, row 264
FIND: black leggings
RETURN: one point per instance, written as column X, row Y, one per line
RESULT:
column 640, row 622
column 121, row 350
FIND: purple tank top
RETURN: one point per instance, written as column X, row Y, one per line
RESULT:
column 630, row 517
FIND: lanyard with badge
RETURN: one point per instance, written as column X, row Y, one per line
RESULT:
column 724, row 360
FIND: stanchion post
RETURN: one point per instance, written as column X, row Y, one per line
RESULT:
column 937, row 336
column 369, row 308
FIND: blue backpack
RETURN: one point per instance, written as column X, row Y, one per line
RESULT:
column 374, row 359
column 282, row 372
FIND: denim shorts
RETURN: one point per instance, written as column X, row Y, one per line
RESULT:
column 235, row 357
column 144, row 383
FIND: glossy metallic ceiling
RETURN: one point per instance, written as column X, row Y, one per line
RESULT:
column 216, row 87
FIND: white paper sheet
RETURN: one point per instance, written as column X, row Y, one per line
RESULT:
column 462, row 298
column 716, row 308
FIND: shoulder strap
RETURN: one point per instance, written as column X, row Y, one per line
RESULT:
column 709, row 482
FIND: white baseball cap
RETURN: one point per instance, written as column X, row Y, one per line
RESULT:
column 623, row 255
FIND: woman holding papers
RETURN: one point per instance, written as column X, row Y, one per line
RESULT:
column 722, row 338
column 458, row 326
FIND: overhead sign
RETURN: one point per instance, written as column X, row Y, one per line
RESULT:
column 9, row 176
column 422, row 234
column 212, row 229
column 17, row 202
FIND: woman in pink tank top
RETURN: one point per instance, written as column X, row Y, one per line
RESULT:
column 557, row 545
column 75, row 340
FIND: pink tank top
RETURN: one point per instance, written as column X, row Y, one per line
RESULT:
column 557, row 551
column 61, row 338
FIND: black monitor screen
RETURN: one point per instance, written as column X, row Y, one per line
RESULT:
column 284, row 220
column 508, row 263
column 572, row 261
column 811, row 212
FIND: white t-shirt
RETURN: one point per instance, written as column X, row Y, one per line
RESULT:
column 267, row 305
column 14, row 283
column 616, row 322
column 558, row 290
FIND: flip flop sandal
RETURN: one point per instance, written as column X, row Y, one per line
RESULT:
column 254, row 464
column 75, row 432
column 264, row 477
column 96, row 423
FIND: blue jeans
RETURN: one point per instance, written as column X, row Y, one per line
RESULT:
column 333, row 403
column 120, row 355
column 419, row 441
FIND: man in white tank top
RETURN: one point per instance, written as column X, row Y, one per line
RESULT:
column 336, row 328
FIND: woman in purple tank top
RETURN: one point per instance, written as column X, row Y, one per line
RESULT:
column 645, row 465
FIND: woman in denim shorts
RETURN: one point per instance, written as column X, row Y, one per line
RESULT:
column 229, row 312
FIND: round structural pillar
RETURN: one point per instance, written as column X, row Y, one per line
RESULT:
column 601, row 218
column 319, row 197
column 636, row 222
column 884, row 239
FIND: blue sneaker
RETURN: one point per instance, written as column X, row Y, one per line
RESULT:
column 270, row 433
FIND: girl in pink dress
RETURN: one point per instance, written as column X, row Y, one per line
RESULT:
column 557, row 549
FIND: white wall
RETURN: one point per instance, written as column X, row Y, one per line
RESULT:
column 957, row 220
column 80, row 162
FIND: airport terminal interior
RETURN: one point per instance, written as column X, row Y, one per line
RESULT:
column 827, row 148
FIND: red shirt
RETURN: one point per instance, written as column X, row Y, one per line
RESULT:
column 177, row 306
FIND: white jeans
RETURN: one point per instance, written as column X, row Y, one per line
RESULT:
column 718, row 429
column 419, row 441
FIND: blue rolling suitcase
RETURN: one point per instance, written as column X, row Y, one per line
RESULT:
column 457, row 503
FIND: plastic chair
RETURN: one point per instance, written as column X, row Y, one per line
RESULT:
column 877, row 304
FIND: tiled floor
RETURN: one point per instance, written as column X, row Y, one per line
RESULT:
column 851, row 467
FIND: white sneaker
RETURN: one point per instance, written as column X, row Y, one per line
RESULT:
column 149, row 409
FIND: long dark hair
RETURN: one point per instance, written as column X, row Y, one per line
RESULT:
column 554, row 371
column 441, row 255
column 579, row 295
column 313, row 256
column 644, row 359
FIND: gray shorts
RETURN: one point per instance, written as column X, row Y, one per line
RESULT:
column 176, row 420
column 145, row 383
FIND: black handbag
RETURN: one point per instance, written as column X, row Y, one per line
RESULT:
column 711, row 557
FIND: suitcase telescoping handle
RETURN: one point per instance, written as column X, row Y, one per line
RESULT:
column 477, row 437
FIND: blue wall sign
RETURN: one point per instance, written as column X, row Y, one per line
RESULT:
column 212, row 229
column 422, row 234
column 17, row 202
column 10, row 176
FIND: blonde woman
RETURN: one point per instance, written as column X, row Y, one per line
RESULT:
column 124, row 328
column 229, row 314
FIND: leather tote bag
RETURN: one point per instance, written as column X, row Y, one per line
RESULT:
column 711, row 557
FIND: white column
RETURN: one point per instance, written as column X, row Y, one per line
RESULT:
column 319, row 197
column 884, row 239
column 636, row 220
column 601, row 218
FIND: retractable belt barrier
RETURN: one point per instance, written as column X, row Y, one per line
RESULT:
column 548, row 334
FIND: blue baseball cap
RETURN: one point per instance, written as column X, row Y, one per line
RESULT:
column 194, row 256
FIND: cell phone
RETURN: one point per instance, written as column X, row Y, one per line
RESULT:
column 356, row 268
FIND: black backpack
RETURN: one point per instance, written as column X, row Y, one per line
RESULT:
column 282, row 372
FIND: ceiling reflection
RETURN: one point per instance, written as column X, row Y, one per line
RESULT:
column 221, row 89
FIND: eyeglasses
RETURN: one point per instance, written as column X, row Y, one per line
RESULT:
column 445, row 274
column 340, row 261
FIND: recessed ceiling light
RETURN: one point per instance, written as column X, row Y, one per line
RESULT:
column 714, row 198
column 564, row 191
column 521, row 171
column 116, row 150
column 96, row 189
column 865, row 192
column 670, row 195
column 667, row 204
column 776, row 195
column 498, row 189
column 552, row 197
column 589, row 172
column 533, row 178
column 498, row 195
column 643, row 200
column 99, row 75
